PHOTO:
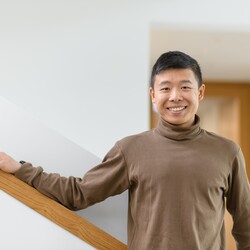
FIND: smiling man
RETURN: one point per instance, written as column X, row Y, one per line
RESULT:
column 180, row 177
column 176, row 94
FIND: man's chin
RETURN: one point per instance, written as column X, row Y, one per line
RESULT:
column 174, row 122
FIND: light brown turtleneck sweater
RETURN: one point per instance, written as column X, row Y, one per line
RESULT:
column 177, row 179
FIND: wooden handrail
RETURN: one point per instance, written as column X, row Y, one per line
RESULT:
column 59, row 214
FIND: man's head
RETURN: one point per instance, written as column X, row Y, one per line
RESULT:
column 176, row 88
column 176, row 60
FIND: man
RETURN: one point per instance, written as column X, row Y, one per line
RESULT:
column 179, row 176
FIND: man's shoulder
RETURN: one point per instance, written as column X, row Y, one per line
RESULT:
column 221, row 141
column 139, row 138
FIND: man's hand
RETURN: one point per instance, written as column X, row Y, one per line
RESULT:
column 8, row 164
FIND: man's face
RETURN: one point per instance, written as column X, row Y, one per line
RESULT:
column 177, row 96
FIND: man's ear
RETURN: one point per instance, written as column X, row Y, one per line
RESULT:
column 201, row 92
column 152, row 94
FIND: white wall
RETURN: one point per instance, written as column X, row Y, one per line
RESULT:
column 29, row 230
column 82, row 67
column 25, row 138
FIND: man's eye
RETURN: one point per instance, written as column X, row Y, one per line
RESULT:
column 165, row 89
column 185, row 87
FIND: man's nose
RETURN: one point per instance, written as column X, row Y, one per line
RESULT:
column 175, row 95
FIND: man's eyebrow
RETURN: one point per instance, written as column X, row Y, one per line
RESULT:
column 182, row 81
column 164, row 82
column 186, row 81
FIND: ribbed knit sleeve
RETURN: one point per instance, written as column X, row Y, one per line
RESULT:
column 238, row 202
column 107, row 179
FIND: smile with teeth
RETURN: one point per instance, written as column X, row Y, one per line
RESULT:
column 176, row 109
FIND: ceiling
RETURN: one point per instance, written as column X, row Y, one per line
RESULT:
column 222, row 55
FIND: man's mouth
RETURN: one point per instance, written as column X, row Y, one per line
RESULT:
column 176, row 109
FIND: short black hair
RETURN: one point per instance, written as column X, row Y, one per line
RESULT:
column 176, row 60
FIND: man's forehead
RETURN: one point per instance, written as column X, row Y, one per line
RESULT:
column 171, row 82
column 175, row 76
column 177, row 71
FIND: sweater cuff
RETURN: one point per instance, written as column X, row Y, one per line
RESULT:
column 27, row 173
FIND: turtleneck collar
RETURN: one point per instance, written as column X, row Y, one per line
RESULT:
column 178, row 133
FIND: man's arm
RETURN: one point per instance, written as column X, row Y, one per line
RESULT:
column 238, row 203
column 106, row 179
